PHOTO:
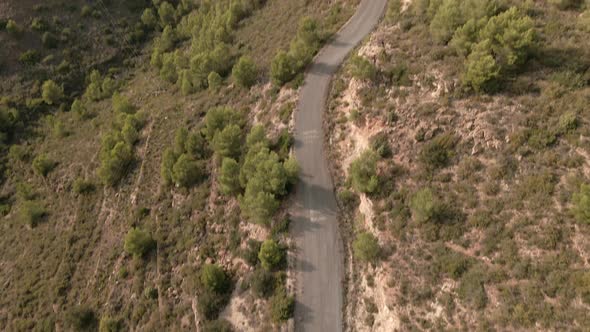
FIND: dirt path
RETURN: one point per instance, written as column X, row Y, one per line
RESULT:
column 319, row 265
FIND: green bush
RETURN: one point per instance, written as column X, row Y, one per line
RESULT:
column 282, row 305
column 283, row 68
column 49, row 40
column 472, row 291
column 257, row 135
column 210, row 303
column 425, row 205
column 365, row 247
column 138, row 242
column 12, row 27
column 380, row 144
column 42, row 165
column 362, row 69
column 257, row 204
column 149, row 19
column 214, row 81
column 51, row 92
column 250, row 254
column 122, row 105
column 82, row 186
column 245, row 72
column 218, row 325
column 81, row 318
column 29, row 58
column 228, row 142
column 581, row 204
column 437, row 153
column 481, row 69
column 115, row 163
column 186, row 171
column 229, row 180
column 214, row 279
column 271, row 255
column 262, row 283
column 32, row 213
column 363, row 172
column 109, row 324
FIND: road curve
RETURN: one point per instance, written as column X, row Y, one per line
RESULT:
column 319, row 263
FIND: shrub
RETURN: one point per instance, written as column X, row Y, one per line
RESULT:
column 581, row 204
column 218, row 325
column 380, row 144
column 425, row 205
column 81, row 318
column 138, row 242
column 29, row 58
column 122, row 105
column 448, row 17
column 32, row 212
column 245, row 72
column 12, row 27
column 214, row 279
column 250, row 254
column 282, row 305
column 86, row 11
column 42, row 165
column 472, row 291
column 438, row 152
column 167, row 14
column 363, row 172
column 283, row 68
column 271, row 255
column 481, row 69
column 257, row 204
column 51, row 92
column 211, row 303
column 291, row 167
column 362, row 69
column 109, row 324
column 129, row 133
column 228, row 142
column 115, row 162
column 262, row 283
column 49, row 40
column 229, row 176
column 257, row 135
column 149, row 19
column 214, row 81
column 82, row 186
column 186, row 171
column 365, row 247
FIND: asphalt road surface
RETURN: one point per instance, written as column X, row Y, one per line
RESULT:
column 319, row 264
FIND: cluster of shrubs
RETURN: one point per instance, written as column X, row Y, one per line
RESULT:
column 287, row 65
column 493, row 42
column 116, row 154
column 267, row 281
column 185, row 163
column 210, row 57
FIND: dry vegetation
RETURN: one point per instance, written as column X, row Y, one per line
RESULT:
column 475, row 199
column 93, row 232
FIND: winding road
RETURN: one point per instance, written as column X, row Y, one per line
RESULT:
column 319, row 264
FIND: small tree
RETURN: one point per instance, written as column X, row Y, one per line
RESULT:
column 42, row 165
column 424, row 205
column 214, row 279
column 186, row 171
column 32, row 212
column 481, row 69
column 291, row 169
column 122, row 105
column 362, row 69
column 214, row 81
column 138, row 242
column 282, row 305
column 271, row 255
column 283, row 68
column 167, row 14
column 129, row 133
column 51, row 92
column 581, row 204
column 262, row 283
column 81, row 318
column 228, row 142
column 257, row 135
column 149, row 19
column 109, row 324
column 257, row 204
column 363, row 172
column 245, row 72
column 229, row 176
column 365, row 247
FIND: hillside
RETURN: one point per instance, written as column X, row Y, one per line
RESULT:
column 145, row 152
column 458, row 136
